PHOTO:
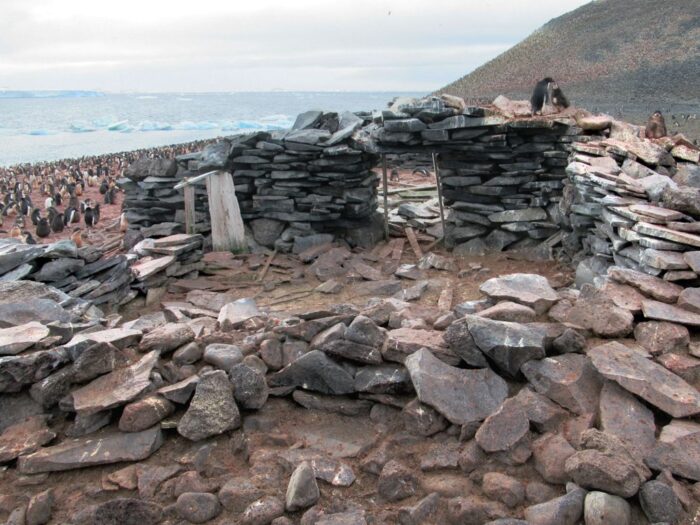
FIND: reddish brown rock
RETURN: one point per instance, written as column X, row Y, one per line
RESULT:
column 145, row 413
column 689, row 299
column 550, row 453
column 597, row 312
column 24, row 437
column 668, row 312
column 649, row 380
column 647, row 284
column 624, row 416
column 660, row 337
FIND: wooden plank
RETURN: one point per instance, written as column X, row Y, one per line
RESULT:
column 385, row 186
column 411, row 235
column 384, row 251
column 227, row 231
column 439, row 189
column 267, row 266
column 397, row 252
column 190, row 215
column 188, row 181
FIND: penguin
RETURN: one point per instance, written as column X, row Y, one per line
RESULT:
column 57, row 223
column 540, row 95
column 36, row 215
column 96, row 213
column 25, row 205
column 74, row 202
column 104, row 187
column 71, row 216
column 57, row 199
column 28, row 239
column 48, row 203
column 43, row 229
column 89, row 217
column 111, row 196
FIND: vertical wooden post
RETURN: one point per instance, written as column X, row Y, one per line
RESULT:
column 438, row 183
column 227, row 230
column 190, row 216
column 385, row 185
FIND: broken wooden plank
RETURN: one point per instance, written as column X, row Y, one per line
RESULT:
column 411, row 235
column 263, row 273
column 190, row 215
column 227, row 230
column 397, row 251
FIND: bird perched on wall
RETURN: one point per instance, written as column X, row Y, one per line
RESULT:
column 540, row 95
column 656, row 126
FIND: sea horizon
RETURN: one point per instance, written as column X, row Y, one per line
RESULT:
column 49, row 125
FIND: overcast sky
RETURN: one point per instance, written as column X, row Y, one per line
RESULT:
column 258, row 45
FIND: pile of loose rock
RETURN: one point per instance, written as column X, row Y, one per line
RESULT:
column 305, row 181
column 82, row 273
column 634, row 202
column 166, row 258
column 507, row 407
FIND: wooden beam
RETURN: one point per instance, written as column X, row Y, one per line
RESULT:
column 439, row 188
column 227, row 230
column 190, row 215
column 267, row 265
column 411, row 235
column 194, row 180
column 385, row 185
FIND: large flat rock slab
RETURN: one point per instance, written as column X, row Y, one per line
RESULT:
column 462, row 396
column 646, row 379
column 668, row 312
column 119, row 337
column 108, row 448
column 647, row 284
column 402, row 342
column 315, row 371
column 116, row 388
column 525, row 288
column 18, row 338
column 623, row 415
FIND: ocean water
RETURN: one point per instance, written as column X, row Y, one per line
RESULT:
column 36, row 126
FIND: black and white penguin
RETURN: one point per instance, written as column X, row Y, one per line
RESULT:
column 57, row 223
column 43, row 229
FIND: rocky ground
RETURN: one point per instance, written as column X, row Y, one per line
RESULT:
column 433, row 391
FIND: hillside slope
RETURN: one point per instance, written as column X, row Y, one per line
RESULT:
column 620, row 56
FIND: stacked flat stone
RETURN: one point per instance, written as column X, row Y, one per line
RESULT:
column 300, row 182
column 502, row 177
column 621, row 208
column 83, row 273
column 151, row 203
column 175, row 256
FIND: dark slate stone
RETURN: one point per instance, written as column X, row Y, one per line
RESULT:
column 315, row 371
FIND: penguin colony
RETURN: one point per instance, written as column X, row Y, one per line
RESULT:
column 61, row 207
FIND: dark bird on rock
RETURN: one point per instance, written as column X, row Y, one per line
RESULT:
column 28, row 239
column 43, row 229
